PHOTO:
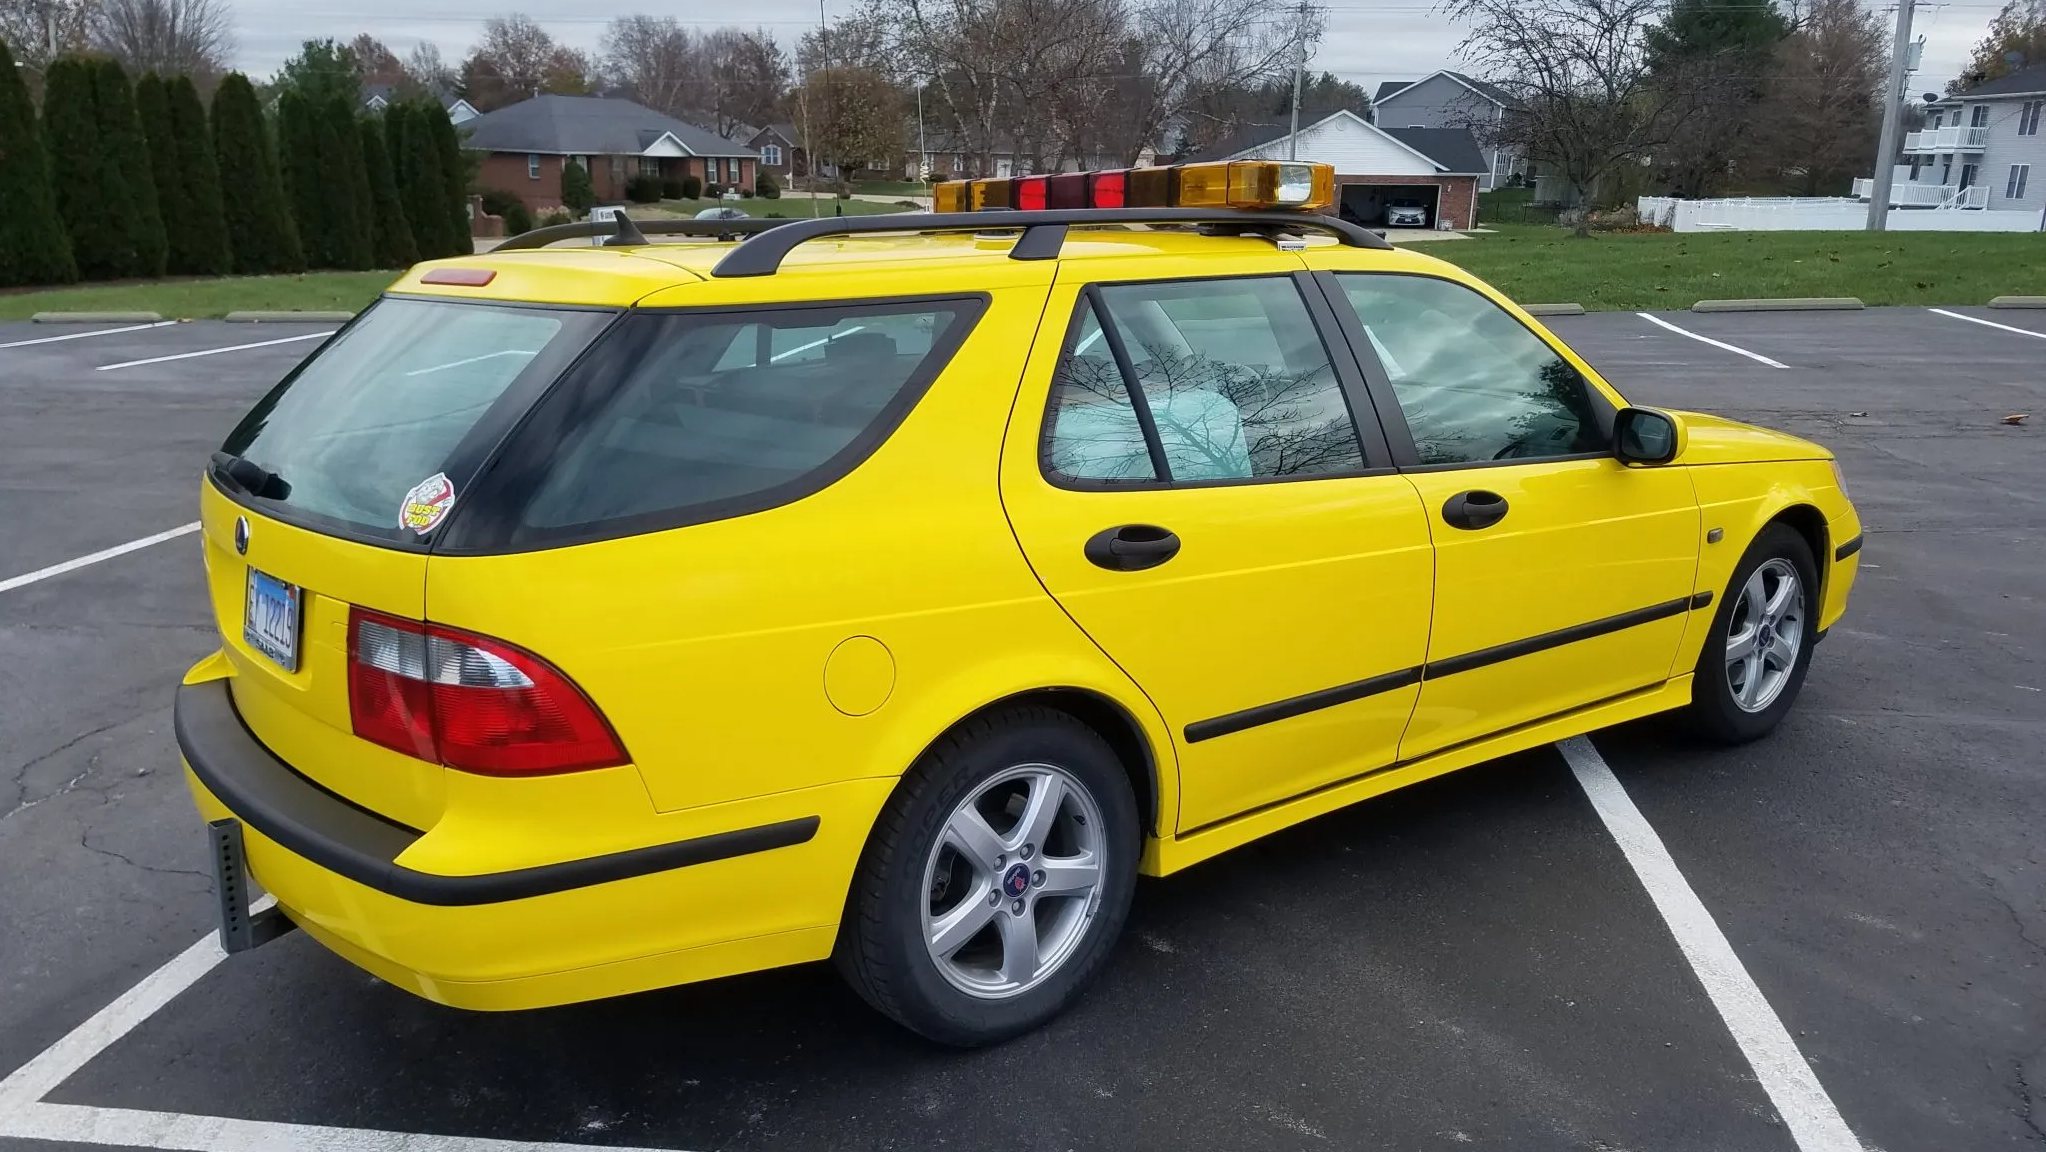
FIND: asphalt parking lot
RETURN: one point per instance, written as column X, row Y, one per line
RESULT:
column 1468, row 963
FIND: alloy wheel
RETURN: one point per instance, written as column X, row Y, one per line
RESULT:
column 1764, row 635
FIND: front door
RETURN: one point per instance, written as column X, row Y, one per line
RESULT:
column 1186, row 475
column 1562, row 577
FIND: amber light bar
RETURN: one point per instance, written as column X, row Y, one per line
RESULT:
column 1220, row 184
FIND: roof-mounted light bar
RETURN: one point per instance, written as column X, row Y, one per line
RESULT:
column 1247, row 184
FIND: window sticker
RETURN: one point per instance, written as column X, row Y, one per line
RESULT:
column 427, row 504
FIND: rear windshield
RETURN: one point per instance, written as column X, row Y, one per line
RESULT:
column 679, row 418
column 377, row 432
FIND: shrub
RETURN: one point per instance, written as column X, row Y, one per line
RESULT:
column 692, row 188
column 940, row 177
column 298, row 154
column 671, row 189
column 34, row 248
column 346, row 176
column 577, row 193
column 201, row 246
column 517, row 217
column 713, row 191
column 390, row 232
column 81, row 175
column 643, row 189
column 122, row 143
column 558, row 216
column 454, row 173
column 152, row 110
column 258, row 218
column 422, row 180
column 765, row 184
column 745, row 193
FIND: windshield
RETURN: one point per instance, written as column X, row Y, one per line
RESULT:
column 371, row 433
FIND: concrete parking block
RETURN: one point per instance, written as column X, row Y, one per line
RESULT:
column 1553, row 309
column 260, row 317
column 96, row 317
column 2018, row 302
column 1787, row 304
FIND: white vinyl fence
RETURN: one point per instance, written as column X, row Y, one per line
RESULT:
column 1820, row 214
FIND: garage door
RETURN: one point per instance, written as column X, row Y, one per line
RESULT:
column 1391, row 205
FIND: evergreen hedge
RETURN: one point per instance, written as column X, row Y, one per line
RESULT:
column 298, row 157
column 152, row 109
column 34, row 247
column 121, row 139
column 346, row 184
column 199, row 246
column 82, row 178
column 258, row 219
column 455, row 174
column 422, row 181
column 390, row 233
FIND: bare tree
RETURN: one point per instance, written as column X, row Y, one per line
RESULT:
column 1581, row 70
column 1817, row 126
column 173, row 37
column 375, row 62
column 29, row 26
column 517, row 59
column 655, row 57
column 1192, row 46
column 746, row 74
column 425, row 69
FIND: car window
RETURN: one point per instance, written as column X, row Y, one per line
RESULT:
column 723, row 413
column 1232, row 378
column 1474, row 384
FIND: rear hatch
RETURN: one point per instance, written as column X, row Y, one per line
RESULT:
column 325, row 498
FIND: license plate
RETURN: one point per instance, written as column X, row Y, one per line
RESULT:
column 270, row 619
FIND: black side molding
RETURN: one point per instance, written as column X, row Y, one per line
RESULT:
column 268, row 796
column 1847, row 549
column 1293, row 706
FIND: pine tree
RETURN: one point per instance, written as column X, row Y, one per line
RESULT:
column 81, row 174
column 391, row 233
column 34, row 248
column 152, row 109
column 255, row 209
column 455, row 171
column 346, row 183
column 298, row 158
column 203, row 249
column 120, row 137
column 425, row 187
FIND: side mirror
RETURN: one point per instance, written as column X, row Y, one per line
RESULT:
column 1645, row 436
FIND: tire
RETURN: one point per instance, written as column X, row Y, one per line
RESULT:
column 1733, row 705
column 916, row 877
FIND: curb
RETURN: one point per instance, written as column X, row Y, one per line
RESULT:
column 97, row 318
column 289, row 317
column 1792, row 304
column 2018, row 302
column 1553, row 309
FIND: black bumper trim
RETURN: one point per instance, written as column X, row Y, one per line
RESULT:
column 268, row 796
column 1847, row 549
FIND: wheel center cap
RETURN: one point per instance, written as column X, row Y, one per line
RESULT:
column 1016, row 881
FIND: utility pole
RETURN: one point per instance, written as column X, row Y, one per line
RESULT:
column 1893, row 122
column 1299, row 71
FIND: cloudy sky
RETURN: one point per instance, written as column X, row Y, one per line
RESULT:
column 1368, row 41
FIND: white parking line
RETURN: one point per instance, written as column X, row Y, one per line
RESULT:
column 1814, row 1122
column 85, row 335
column 23, row 581
column 1661, row 323
column 1942, row 312
column 217, row 351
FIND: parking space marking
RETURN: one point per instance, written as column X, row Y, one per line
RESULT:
column 1661, row 323
column 1814, row 1122
column 217, row 351
column 23, row 581
column 1971, row 320
column 25, row 1115
column 85, row 335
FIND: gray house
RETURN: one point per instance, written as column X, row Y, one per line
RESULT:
column 1983, row 148
column 1453, row 100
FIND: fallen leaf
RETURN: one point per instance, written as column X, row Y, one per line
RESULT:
column 2016, row 417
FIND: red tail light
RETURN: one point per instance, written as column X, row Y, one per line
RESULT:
column 1029, row 192
column 469, row 702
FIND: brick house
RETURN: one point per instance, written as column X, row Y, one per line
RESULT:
column 526, row 145
column 1437, row 168
column 781, row 151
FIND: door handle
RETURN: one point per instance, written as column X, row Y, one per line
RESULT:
column 1473, row 510
column 1132, row 547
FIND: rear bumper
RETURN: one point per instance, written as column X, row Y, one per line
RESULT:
column 648, row 916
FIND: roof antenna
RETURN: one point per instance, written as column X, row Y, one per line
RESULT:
column 628, row 235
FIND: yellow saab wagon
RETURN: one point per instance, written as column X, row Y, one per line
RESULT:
column 898, row 589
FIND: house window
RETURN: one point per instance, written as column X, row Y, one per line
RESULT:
column 732, row 170
column 1915, row 165
column 532, row 165
column 1979, row 116
column 2014, row 188
column 649, row 166
column 1937, row 118
column 1969, row 174
column 2028, row 118
column 770, row 155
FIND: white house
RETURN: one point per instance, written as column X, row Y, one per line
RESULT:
column 1438, row 169
column 1453, row 100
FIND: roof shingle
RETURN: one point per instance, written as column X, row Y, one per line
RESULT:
column 589, row 125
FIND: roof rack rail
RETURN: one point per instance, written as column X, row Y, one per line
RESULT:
column 1044, row 231
column 630, row 231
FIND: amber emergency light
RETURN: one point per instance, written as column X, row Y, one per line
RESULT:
column 1219, row 184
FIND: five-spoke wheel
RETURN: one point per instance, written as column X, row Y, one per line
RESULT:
column 1761, row 641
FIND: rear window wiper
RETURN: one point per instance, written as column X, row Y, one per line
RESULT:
column 251, row 477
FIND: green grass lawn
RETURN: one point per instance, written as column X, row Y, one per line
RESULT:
column 791, row 205
column 891, row 188
column 1657, row 270
column 205, row 299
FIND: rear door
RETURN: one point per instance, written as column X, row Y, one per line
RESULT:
column 1562, row 577
column 1197, row 478
column 326, row 498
